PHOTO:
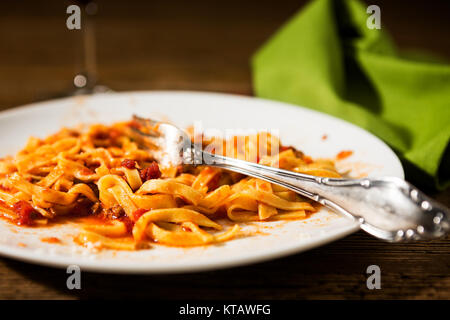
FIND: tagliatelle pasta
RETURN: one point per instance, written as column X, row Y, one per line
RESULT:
column 125, row 201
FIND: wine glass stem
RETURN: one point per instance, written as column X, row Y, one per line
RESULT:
column 90, row 62
column 86, row 79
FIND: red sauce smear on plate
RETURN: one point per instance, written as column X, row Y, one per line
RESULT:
column 344, row 154
column 51, row 240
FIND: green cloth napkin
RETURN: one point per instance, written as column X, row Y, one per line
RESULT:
column 326, row 58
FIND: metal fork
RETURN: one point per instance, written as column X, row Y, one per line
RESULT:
column 388, row 208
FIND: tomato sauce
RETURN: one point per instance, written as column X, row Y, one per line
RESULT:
column 151, row 172
column 24, row 212
column 344, row 154
column 51, row 240
column 129, row 164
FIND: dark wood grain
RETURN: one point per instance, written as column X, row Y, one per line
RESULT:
column 196, row 45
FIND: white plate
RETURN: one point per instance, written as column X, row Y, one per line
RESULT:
column 297, row 126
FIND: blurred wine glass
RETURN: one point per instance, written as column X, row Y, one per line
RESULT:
column 86, row 80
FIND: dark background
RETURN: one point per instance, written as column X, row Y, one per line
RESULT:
column 191, row 45
column 206, row 45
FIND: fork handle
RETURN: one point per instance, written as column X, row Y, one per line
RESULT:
column 388, row 208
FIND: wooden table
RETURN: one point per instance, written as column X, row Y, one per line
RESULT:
column 194, row 45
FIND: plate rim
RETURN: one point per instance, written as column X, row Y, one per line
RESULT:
column 24, row 255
